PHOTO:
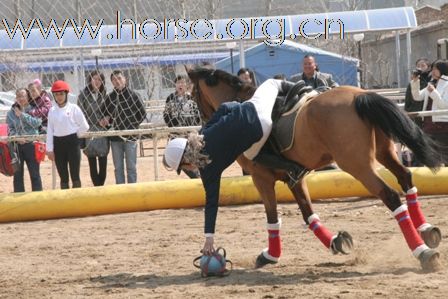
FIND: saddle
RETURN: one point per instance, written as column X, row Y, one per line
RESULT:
column 290, row 96
column 285, row 112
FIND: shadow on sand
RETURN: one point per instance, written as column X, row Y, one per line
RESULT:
column 245, row 277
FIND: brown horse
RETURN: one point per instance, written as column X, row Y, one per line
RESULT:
column 352, row 127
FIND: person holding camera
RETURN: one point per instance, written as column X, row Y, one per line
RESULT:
column 421, row 74
column 21, row 122
column 434, row 97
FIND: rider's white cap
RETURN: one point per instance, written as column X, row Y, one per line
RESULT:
column 173, row 153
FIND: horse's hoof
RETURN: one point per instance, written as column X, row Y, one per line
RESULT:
column 262, row 261
column 343, row 243
column 432, row 236
column 429, row 260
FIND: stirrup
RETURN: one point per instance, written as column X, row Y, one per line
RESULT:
column 293, row 179
column 296, row 175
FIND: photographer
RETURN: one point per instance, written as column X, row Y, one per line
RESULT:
column 422, row 74
column 435, row 97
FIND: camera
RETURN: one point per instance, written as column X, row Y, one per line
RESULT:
column 417, row 72
column 16, row 105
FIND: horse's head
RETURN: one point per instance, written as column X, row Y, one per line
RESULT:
column 213, row 87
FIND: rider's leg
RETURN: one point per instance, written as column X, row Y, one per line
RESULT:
column 294, row 170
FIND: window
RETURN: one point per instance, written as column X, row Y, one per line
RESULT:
column 49, row 78
column 168, row 73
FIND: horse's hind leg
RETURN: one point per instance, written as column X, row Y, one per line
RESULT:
column 428, row 257
column 264, row 181
column 387, row 156
column 340, row 243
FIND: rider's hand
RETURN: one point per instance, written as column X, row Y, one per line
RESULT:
column 430, row 87
column 208, row 246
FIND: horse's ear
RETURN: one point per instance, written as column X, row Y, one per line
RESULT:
column 189, row 69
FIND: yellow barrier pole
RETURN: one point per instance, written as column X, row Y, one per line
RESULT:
column 187, row 194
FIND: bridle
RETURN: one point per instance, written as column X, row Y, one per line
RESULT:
column 202, row 104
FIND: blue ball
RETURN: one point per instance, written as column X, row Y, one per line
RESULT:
column 213, row 265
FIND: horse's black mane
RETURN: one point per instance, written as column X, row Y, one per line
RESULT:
column 212, row 77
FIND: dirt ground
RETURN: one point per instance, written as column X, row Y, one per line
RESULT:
column 150, row 254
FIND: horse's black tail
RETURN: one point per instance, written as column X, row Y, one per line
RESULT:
column 385, row 114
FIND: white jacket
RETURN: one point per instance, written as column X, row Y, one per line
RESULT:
column 65, row 121
column 439, row 97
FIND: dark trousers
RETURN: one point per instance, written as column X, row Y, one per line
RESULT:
column 98, row 176
column 26, row 155
column 67, row 156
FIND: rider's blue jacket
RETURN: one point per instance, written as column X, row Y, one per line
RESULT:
column 233, row 128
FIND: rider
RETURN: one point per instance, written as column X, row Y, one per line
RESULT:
column 234, row 129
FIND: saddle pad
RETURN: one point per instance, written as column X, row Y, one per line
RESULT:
column 283, row 130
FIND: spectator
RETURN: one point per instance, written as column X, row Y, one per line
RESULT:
column 181, row 111
column 65, row 123
column 90, row 101
column 123, row 110
column 422, row 73
column 247, row 76
column 40, row 103
column 435, row 97
column 21, row 122
column 312, row 76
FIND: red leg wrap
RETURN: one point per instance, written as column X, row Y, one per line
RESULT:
column 321, row 232
column 407, row 228
column 415, row 211
column 275, row 244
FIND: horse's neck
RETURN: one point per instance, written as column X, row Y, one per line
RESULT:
column 216, row 95
column 220, row 95
column 227, row 94
column 246, row 92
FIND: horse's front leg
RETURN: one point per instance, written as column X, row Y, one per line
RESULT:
column 340, row 243
column 264, row 181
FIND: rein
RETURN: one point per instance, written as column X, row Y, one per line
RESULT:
column 200, row 102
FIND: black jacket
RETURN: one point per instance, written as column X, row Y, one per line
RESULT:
column 91, row 104
column 319, row 80
column 233, row 129
column 181, row 111
column 126, row 111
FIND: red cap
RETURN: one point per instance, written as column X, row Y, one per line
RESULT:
column 60, row 86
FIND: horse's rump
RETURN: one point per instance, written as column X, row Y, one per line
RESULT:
column 327, row 126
